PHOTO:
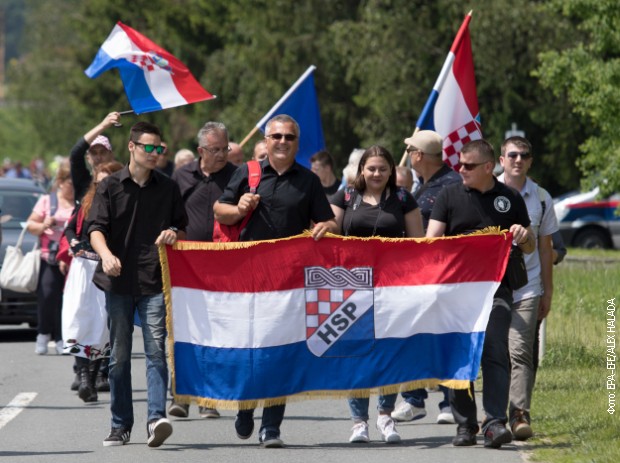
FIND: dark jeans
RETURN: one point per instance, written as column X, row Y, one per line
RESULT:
column 495, row 370
column 418, row 396
column 49, row 300
column 272, row 418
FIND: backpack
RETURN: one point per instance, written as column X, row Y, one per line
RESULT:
column 229, row 233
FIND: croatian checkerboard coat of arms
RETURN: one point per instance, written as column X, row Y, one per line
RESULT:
column 339, row 311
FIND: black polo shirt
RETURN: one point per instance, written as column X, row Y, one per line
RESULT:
column 199, row 193
column 131, row 218
column 465, row 210
column 288, row 202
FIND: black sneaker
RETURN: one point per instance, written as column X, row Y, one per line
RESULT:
column 118, row 436
column 158, row 431
column 244, row 424
column 496, row 434
column 178, row 410
column 270, row 440
column 465, row 436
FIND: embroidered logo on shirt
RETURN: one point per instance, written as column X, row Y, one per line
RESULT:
column 502, row 204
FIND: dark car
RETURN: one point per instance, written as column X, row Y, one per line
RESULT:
column 17, row 199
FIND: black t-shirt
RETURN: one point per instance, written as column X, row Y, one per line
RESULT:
column 363, row 219
column 456, row 206
column 288, row 202
column 332, row 189
column 199, row 194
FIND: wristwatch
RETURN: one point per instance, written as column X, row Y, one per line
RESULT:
column 174, row 229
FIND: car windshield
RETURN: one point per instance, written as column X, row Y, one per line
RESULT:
column 16, row 206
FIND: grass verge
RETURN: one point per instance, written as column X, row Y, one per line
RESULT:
column 570, row 402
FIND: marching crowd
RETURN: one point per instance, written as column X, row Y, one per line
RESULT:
column 101, row 225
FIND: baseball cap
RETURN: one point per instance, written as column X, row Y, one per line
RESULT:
column 103, row 141
column 428, row 141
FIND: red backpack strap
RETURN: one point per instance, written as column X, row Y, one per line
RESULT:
column 254, row 173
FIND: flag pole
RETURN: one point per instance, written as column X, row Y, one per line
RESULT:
column 274, row 108
column 124, row 113
column 444, row 71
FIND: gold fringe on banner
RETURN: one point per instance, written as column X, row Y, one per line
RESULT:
column 309, row 395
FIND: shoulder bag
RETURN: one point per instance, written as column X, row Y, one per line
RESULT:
column 20, row 273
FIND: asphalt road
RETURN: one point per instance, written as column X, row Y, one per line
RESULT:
column 52, row 424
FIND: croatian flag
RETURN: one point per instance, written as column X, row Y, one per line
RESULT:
column 452, row 107
column 301, row 103
column 152, row 77
column 254, row 323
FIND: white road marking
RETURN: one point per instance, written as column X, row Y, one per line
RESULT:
column 15, row 406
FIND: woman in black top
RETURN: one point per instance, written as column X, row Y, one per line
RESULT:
column 84, row 319
column 375, row 206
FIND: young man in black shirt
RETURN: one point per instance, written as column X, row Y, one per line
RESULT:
column 288, row 199
column 481, row 201
column 135, row 210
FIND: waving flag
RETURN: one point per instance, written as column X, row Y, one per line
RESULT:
column 152, row 77
column 255, row 323
column 452, row 107
column 301, row 103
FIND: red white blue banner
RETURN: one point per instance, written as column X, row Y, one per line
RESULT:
column 452, row 107
column 153, row 78
column 257, row 323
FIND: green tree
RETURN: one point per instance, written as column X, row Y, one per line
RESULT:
column 588, row 76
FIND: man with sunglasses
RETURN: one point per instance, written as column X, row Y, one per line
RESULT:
column 289, row 198
column 135, row 210
column 478, row 202
column 533, row 301
column 201, row 183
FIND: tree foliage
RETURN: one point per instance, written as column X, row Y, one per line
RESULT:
column 376, row 63
column 588, row 76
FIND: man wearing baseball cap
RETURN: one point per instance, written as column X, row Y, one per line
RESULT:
column 425, row 150
column 97, row 149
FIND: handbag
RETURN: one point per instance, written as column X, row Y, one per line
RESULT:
column 515, row 270
column 20, row 273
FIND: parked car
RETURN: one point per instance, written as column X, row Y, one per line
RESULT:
column 588, row 222
column 17, row 198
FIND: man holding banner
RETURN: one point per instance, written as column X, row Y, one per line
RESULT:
column 288, row 198
column 478, row 202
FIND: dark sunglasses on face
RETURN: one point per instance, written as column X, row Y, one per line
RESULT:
column 286, row 136
column 514, row 154
column 471, row 165
column 149, row 148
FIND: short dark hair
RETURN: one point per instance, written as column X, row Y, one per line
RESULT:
column 359, row 183
column 142, row 127
column 519, row 142
column 324, row 158
column 483, row 147
column 285, row 119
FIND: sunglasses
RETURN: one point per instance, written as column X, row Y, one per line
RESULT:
column 515, row 154
column 286, row 136
column 149, row 148
column 471, row 165
column 411, row 149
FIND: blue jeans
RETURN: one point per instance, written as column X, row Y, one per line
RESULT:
column 272, row 418
column 418, row 396
column 359, row 407
column 152, row 313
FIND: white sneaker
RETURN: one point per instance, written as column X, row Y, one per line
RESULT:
column 387, row 428
column 360, row 432
column 59, row 347
column 407, row 412
column 40, row 347
column 445, row 416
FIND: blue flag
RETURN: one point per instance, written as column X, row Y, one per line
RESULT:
column 301, row 103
